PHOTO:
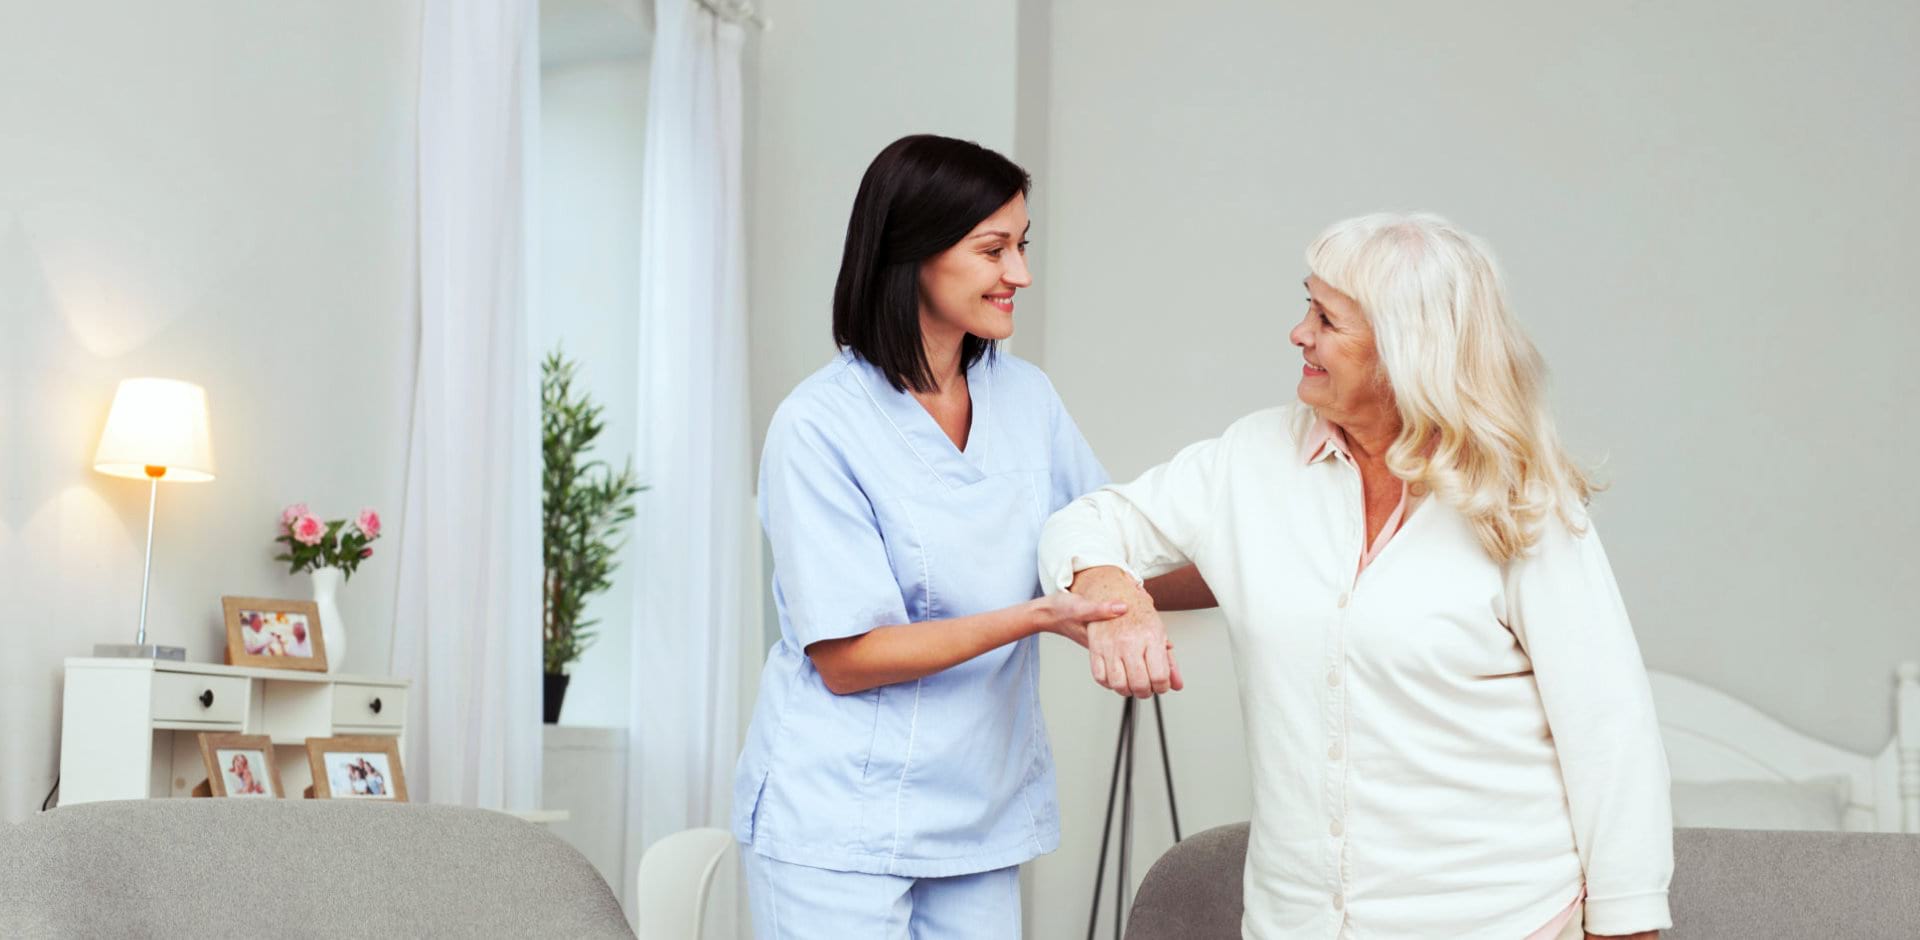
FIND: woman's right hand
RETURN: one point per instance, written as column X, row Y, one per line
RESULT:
column 1068, row 614
column 1128, row 654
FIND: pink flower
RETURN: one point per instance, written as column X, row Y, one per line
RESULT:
column 366, row 553
column 307, row 530
column 291, row 515
column 368, row 522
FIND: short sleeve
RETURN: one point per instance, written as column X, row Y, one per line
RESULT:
column 831, row 574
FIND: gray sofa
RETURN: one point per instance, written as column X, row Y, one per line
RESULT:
column 1726, row 883
column 294, row 868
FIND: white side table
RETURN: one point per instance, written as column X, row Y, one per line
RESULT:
column 129, row 726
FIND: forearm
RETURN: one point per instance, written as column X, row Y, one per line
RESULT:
column 1182, row 589
column 905, row 652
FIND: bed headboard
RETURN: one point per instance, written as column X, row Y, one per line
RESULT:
column 1712, row 736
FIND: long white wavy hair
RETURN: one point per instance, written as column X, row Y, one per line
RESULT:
column 1468, row 383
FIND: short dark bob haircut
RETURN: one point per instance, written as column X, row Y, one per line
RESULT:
column 920, row 196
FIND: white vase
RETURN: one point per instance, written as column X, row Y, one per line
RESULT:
column 333, row 633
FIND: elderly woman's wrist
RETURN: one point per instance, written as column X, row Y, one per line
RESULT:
column 1107, row 579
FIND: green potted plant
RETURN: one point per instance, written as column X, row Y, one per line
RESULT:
column 584, row 504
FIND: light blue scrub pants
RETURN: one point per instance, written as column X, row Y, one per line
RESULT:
column 798, row 902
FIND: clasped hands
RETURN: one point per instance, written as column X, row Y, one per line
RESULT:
column 1115, row 619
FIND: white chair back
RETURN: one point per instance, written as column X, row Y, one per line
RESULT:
column 676, row 877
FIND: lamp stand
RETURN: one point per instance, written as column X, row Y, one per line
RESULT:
column 1123, row 782
column 140, row 648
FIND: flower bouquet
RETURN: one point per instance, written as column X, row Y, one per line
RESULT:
column 313, row 544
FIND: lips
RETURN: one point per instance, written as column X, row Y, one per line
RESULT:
column 1311, row 371
column 1001, row 302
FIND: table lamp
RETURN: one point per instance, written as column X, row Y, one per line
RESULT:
column 156, row 430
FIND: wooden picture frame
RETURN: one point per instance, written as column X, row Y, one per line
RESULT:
column 363, row 767
column 240, row 766
column 276, row 634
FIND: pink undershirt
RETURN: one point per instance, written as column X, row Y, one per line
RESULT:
column 1324, row 435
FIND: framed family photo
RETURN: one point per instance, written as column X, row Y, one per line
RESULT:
column 240, row 766
column 357, row 768
column 278, row 634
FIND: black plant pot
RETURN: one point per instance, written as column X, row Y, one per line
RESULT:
column 553, row 693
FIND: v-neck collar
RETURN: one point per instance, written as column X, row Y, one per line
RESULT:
column 921, row 433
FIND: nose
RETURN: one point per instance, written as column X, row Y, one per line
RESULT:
column 1300, row 334
column 1016, row 273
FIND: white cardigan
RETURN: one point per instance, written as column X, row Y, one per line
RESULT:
column 1445, row 746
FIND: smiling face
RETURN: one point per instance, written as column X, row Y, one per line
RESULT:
column 969, row 288
column 1341, row 379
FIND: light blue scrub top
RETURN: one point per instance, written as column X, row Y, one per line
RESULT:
column 877, row 519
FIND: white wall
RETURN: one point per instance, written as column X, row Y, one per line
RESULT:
column 1705, row 213
column 216, row 192
column 593, row 134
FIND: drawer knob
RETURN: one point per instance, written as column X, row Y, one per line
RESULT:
column 375, row 705
column 206, row 699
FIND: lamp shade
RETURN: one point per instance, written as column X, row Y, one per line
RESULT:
column 157, row 423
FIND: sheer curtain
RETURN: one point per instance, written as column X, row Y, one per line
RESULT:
column 699, row 593
column 467, row 615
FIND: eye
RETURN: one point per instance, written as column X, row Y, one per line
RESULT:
column 1023, row 245
column 995, row 251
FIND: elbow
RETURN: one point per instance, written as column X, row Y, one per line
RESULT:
column 839, row 684
column 829, row 660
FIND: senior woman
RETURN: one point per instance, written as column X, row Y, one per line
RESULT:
column 1450, row 728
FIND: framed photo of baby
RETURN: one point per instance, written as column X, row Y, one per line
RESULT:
column 240, row 766
column 277, row 634
column 357, row 768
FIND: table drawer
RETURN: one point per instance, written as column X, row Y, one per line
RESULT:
column 200, row 699
column 368, row 706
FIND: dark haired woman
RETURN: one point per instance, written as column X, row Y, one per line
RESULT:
column 897, row 770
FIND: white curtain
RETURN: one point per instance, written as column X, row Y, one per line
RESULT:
column 467, row 618
column 698, row 595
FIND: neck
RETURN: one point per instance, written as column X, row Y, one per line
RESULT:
column 1369, row 436
column 943, row 356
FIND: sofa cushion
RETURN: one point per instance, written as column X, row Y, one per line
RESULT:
column 1750, row 883
column 1726, row 883
column 295, row 868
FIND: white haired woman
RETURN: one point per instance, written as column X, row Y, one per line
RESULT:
column 1449, row 724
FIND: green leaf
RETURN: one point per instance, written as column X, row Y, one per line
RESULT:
column 585, row 507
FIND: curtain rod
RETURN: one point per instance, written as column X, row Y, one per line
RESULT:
column 737, row 11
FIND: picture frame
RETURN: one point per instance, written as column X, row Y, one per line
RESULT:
column 273, row 633
column 240, row 766
column 358, row 767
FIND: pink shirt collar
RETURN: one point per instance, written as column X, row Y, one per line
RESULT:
column 1324, row 440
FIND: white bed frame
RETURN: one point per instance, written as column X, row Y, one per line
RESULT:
column 1713, row 736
